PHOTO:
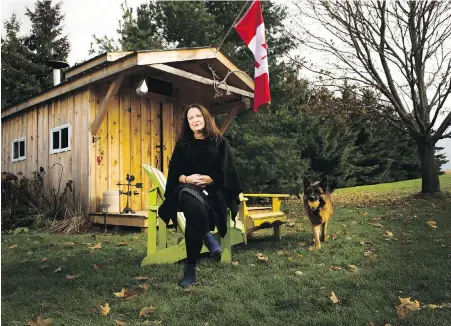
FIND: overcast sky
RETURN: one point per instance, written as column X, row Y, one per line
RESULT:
column 83, row 18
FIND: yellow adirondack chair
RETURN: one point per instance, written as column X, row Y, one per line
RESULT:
column 158, row 251
column 258, row 217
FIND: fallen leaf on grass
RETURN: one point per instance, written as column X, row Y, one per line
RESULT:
column 42, row 267
column 59, row 269
column 378, row 225
column 432, row 223
column 352, row 268
column 120, row 294
column 40, row 321
column 43, row 260
column 104, row 310
column 147, row 311
column 282, row 252
column 388, row 234
column 97, row 266
column 235, row 263
column 96, row 246
column 123, row 243
column 334, row 298
column 262, row 257
column 302, row 244
column 403, row 309
column 335, row 268
column 120, row 323
column 364, row 213
column 72, row 277
column 141, row 278
column 13, row 246
column 334, row 236
column 299, row 273
column 290, row 224
column 125, row 294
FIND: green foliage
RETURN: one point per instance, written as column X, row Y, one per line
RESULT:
column 46, row 41
column 24, row 70
column 17, row 81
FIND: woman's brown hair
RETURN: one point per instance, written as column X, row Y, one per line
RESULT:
column 210, row 131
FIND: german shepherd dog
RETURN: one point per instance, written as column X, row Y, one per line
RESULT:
column 318, row 206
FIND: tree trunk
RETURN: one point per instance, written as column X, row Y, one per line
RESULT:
column 430, row 182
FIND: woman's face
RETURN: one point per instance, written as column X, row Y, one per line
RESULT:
column 195, row 119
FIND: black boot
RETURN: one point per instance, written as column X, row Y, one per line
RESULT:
column 212, row 245
column 189, row 275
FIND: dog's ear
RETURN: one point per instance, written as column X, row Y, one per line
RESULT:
column 325, row 184
column 306, row 183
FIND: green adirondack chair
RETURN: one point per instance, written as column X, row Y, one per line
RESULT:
column 158, row 251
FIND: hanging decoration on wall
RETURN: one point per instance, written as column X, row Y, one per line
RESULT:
column 142, row 87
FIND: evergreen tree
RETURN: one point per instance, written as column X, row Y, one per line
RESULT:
column 17, row 81
column 45, row 41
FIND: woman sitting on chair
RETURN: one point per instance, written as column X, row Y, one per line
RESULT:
column 202, row 182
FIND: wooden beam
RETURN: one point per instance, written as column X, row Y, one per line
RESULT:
column 176, row 55
column 242, row 76
column 228, row 120
column 109, row 56
column 103, row 107
column 199, row 79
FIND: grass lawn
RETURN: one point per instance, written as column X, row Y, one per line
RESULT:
column 381, row 248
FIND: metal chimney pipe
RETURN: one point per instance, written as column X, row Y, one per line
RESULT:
column 56, row 76
column 57, row 66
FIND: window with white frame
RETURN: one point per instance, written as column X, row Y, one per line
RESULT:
column 18, row 149
column 60, row 139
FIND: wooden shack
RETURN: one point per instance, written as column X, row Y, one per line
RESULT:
column 99, row 129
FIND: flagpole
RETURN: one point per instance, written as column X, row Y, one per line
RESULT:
column 239, row 15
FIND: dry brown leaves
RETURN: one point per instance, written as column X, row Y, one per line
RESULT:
column 262, row 258
column 432, row 223
column 406, row 306
column 96, row 246
column 403, row 309
column 147, row 311
column 104, row 310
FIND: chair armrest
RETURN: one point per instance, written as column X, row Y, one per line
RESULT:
column 267, row 195
column 276, row 199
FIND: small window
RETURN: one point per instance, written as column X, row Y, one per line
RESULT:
column 60, row 139
column 18, row 149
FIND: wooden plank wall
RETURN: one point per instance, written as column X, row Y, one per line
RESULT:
column 127, row 140
column 129, row 136
column 35, row 124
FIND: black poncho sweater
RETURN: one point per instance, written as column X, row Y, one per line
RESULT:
column 207, row 157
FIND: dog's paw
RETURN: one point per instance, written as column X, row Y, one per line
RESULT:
column 314, row 248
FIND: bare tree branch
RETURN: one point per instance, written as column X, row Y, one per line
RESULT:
column 401, row 49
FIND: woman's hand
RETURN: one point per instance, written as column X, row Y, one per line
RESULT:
column 199, row 180
column 206, row 179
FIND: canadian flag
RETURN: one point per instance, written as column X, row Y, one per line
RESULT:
column 251, row 29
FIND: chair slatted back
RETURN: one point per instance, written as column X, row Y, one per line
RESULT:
column 159, row 180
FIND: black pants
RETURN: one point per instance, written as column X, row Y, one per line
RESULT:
column 197, row 225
